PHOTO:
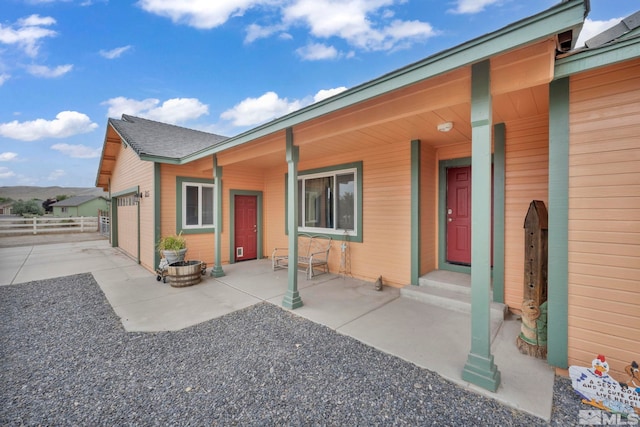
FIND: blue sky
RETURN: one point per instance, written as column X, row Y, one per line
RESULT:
column 222, row 66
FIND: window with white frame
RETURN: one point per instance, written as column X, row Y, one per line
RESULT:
column 328, row 201
column 197, row 205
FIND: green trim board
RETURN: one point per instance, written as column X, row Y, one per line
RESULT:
column 232, row 219
column 157, row 210
column 499, row 142
column 113, row 224
column 590, row 59
column 179, row 181
column 558, row 223
column 415, row 210
column 334, row 236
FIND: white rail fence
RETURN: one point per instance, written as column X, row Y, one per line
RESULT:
column 40, row 225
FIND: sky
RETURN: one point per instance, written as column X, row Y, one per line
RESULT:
column 221, row 66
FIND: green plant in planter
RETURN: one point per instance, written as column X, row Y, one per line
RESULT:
column 173, row 247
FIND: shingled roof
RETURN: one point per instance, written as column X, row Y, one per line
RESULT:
column 148, row 137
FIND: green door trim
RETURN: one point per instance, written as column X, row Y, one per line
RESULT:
column 442, row 214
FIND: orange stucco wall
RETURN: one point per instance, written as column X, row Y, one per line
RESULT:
column 604, row 216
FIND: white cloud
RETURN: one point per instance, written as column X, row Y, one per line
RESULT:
column 355, row 21
column 253, row 111
column 58, row 173
column 362, row 24
column 203, row 14
column 592, row 28
column 47, row 72
column 77, row 151
column 472, row 6
column 317, row 51
column 66, row 123
column 327, row 93
column 115, row 53
column 4, row 77
column 7, row 156
column 6, row 172
column 27, row 33
column 176, row 110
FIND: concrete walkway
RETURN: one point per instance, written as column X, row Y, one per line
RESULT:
column 434, row 338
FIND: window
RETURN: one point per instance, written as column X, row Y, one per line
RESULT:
column 329, row 201
column 197, row 205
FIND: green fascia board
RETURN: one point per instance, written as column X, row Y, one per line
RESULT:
column 590, row 59
column 562, row 17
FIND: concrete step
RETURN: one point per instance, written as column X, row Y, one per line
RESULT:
column 451, row 291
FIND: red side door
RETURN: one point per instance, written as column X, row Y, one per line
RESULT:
column 459, row 215
column 246, row 228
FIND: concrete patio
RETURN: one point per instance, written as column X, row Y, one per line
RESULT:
column 435, row 338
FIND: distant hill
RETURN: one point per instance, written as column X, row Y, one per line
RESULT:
column 44, row 193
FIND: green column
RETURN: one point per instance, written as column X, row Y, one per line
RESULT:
column 217, row 271
column 480, row 369
column 415, row 211
column 292, row 298
column 498, row 211
column 558, row 256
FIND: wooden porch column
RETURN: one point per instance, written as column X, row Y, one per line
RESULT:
column 480, row 369
column 292, row 298
column 216, row 271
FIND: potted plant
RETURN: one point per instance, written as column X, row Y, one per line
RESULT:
column 173, row 248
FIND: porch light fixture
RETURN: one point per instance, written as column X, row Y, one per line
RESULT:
column 445, row 127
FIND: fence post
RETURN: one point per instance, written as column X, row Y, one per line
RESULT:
column 35, row 227
column 81, row 224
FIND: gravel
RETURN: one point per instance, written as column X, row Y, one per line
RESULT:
column 66, row 360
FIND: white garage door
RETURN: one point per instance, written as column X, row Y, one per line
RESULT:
column 128, row 225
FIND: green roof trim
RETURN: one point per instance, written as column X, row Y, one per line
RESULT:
column 589, row 59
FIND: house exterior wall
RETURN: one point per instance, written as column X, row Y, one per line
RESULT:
column 130, row 172
column 428, row 209
column 604, row 216
column 386, row 205
column 200, row 246
column 526, row 179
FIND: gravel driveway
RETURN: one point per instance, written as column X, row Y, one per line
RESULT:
column 66, row 360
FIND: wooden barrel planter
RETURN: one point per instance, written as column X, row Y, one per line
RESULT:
column 184, row 273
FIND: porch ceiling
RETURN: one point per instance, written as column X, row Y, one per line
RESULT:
column 520, row 90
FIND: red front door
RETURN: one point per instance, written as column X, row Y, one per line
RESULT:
column 246, row 228
column 459, row 215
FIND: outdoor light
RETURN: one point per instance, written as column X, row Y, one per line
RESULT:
column 445, row 127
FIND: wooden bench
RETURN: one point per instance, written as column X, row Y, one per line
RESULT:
column 313, row 254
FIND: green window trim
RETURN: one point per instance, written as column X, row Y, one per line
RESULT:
column 180, row 180
column 337, row 234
